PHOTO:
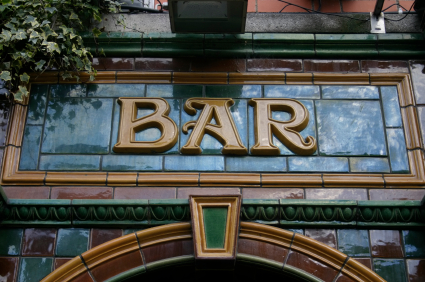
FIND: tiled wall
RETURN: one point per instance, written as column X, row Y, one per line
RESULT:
column 31, row 253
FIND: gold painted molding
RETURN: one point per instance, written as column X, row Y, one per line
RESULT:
column 415, row 179
column 174, row 232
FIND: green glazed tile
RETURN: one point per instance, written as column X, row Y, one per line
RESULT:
column 69, row 162
column 228, row 50
column 68, row 90
column 292, row 91
column 397, row 149
column 194, row 163
column 350, row 128
column 414, row 243
column 350, row 92
column 284, row 50
column 30, row 148
column 72, row 242
column 392, row 270
column 251, row 164
column 233, row 91
column 173, row 91
column 37, row 104
column 172, row 49
column 344, row 50
column 353, row 242
column 116, row 90
column 369, row 165
column 10, row 242
column 317, row 164
column 172, row 37
column 284, row 37
column 77, row 126
column 401, row 38
column 391, row 106
column 346, row 38
column 34, row 269
column 215, row 220
column 212, row 38
column 132, row 163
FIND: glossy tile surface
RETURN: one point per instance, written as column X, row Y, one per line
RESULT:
column 350, row 92
column 385, row 66
column 113, row 63
column 162, row 64
column 233, row 91
column 392, row 270
column 173, row 91
column 218, row 65
column 167, row 250
column 60, row 261
column 81, row 193
column 27, row 192
column 8, row 269
column 274, row 65
column 72, row 242
column 396, row 194
column 350, row 128
column 68, row 90
column 116, row 90
column 331, row 66
column 34, row 269
column 421, row 116
column 416, row 270
column 418, row 78
column 386, row 243
column 10, row 241
column 184, row 193
column 369, row 165
column 30, row 148
column 353, row 242
column 262, row 249
column 131, row 163
column 272, row 193
column 39, row 242
column 192, row 163
column 322, row 271
column 292, row 91
column 318, row 164
column 66, row 129
column 145, row 193
column 397, row 149
column 255, row 164
column 69, row 162
column 391, row 106
column 325, row 236
column 100, row 236
column 37, row 104
column 336, row 194
column 414, row 243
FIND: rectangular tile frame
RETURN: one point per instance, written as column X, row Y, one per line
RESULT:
column 416, row 178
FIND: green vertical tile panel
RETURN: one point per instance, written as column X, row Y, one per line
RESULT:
column 72, row 242
column 37, row 103
column 354, row 242
column 115, row 125
column 397, row 149
column 10, row 241
column 283, row 45
column 30, row 148
column 414, row 243
column 215, row 220
column 391, row 106
column 392, row 270
column 34, row 269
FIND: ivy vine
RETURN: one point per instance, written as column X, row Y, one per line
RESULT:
column 40, row 35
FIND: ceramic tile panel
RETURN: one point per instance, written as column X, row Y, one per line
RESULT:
column 69, row 162
column 385, row 66
column 81, row 193
column 233, row 91
column 342, row 66
column 115, row 90
column 113, row 63
column 100, row 236
column 369, row 165
column 414, row 243
column 386, row 243
column 262, row 249
column 392, row 270
column 131, row 163
column 292, row 91
column 416, row 270
column 418, row 78
column 34, row 269
column 255, row 164
column 391, row 106
column 191, row 163
column 282, row 65
column 325, row 236
column 317, row 164
column 145, row 193
column 354, row 243
column 68, row 90
column 349, row 92
column 27, row 192
column 174, row 91
column 168, row 250
column 272, row 193
column 72, row 242
column 336, row 194
column 31, row 148
column 183, row 193
column 396, row 194
column 397, row 150
column 39, row 242
column 60, row 261
column 310, row 265
column 162, row 64
column 8, row 269
column 37, row 104
column 421, row 115
column 11, row 239
column 218, row 65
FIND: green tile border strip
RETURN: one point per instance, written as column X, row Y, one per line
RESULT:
column 277, row 45
column 283, row 212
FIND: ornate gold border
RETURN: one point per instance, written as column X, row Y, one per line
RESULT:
column 248, row 230
column 416, row 178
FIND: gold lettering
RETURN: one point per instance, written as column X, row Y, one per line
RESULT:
column 130, row 125
column 286, row 131
column 224, row 130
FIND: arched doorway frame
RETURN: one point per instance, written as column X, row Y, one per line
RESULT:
column 106, row 254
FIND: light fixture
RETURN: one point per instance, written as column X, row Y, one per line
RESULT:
column 207, row 16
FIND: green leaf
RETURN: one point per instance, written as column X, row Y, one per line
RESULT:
column 31, row 20
column 5, row 75
column 34, row 34
column 20, row 35
column 96, row 32
column 45, row 22
column 51, row 10
column 39, row 65
column 21, row 93
column 25, row 77
column 6, row 34
column 73, row 16
column 4, row 2
column 53, row 46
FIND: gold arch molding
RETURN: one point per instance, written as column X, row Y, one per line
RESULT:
column 166, row 246
column 11, row 175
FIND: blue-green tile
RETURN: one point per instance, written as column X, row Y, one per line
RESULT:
column 391, row 106
column 310, row 130
column 350, row 128
column 30, row 148
column 34, row 269
column 116, row 90
column 194, row 163
column 354, row 243
column 132, row 163
column 10, row 241
column 78, row 126
column 209, row 144
column 233, row 91
column 72, row 242
column 255, row 164
column 318, row 164
column 115, row 124
column 69, row 162
column 369, row 165
column 68, row 90
column 37, row 103
column 397, row 149
column 173, row 91
column 350, row 92
column 292, row 91
column 414, row 243
column 392, row 270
